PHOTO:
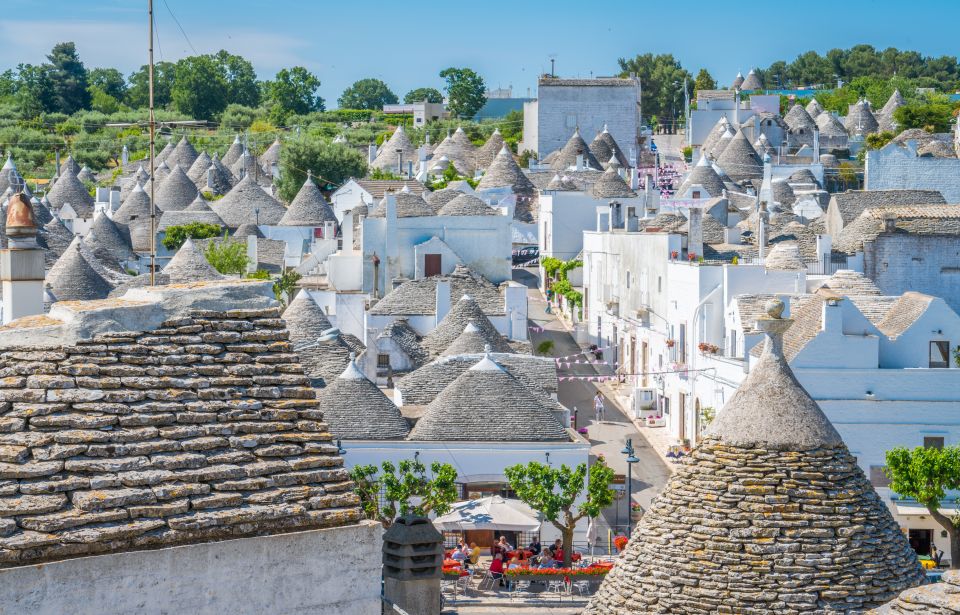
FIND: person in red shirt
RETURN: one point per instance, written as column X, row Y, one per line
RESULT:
column 496, row 568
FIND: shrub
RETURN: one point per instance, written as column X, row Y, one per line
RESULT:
column 227, row 255
column 176, row 235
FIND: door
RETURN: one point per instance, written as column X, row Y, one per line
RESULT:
column 431, row 265
column 633, row 356
column 645, row 362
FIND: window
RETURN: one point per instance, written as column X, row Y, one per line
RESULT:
column 939, row 354
column 383, row 361
column 682, row 344
column 695, row 195
column 933, row 442
column 628, row 280
column 659, row 284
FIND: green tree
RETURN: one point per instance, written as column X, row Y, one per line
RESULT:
column 227, row 255
column 662, row 78
column 35, row 91
column 242, row 86
column 877, row 140
column 330, row 162
column 69, row 78
column 138, row 93
column 367, row 94
column 200, row 87
column 110, row 81
column 511, row 127
column 285, row 287
column 465, row 92
column 293, row 92
column 926, row 474
column 392, row 491
column 103, row 102
column 932, row 117
column 430, row 95
column 703, row 82
column 8, row 83
column 176, row 235
column 554, row 492
column 238, row 117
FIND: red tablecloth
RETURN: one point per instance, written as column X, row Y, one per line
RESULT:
column 451, row 563
column 522, row 554
column 576, row 557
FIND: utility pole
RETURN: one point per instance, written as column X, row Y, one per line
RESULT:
column 153, row 179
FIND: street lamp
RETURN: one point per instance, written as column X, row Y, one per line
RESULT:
column 631, row 459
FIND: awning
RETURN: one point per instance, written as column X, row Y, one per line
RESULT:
column 913, row 509
column 491, row 513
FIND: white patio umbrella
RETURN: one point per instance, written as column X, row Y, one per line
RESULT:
column 592, row 534
column 491, row 513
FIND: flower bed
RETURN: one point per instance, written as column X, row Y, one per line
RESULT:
column 555, row 574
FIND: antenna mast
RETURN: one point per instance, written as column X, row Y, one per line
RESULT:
column 153, row 183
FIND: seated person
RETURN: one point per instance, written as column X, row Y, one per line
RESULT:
column 460, row 554
column 504, row 545
column 496, row 568
column 534, row 547
column 546, row 559
column 474, row 553
column 514, row 563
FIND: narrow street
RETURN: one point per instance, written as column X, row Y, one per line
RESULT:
column 608, row 438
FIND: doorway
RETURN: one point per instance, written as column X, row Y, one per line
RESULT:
column 431, row 265
column 645, row 362
column 682, row 417
column 920, row 541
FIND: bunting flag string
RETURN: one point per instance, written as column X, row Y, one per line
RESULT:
column 588, row 351
column 536, row 329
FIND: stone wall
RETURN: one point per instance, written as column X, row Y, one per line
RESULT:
column 561, row 109
column 318, row 571
column 202, row 429
column 902, row 262
column 897, row 168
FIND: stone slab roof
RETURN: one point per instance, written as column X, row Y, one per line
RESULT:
column 407, row 340
column 486, row 404
column 922, row 220
column 202, row 429
column 463, row 312
column 420, row 296
column 614, row 82
column 903, row 313
column 378, row 188
column 852, row 203
column 356, row 409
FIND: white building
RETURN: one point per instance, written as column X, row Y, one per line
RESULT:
column 911, row 165
column 367, row 192
column 682, row 333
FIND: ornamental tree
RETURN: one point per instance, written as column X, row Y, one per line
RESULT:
column 330, row 162
column 554, row 492
column 367, row 94
column 392, row 491
column 227, row 255
column 430, row 95
column 926, row 474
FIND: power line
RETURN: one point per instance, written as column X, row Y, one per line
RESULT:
column 182, row 31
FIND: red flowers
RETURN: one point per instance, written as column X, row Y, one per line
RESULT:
column 620, row 542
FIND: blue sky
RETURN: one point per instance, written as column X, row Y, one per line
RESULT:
column 509, row 42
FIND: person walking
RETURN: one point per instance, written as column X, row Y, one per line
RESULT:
column 598, row 406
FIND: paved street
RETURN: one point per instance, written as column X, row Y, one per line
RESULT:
column 607, row 438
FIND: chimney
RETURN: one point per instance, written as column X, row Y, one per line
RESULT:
column 833, row 315
column 21, row 264
column 816, row 144
column 346, row 230
column 125, row 156
column 251, row 253
column 695, row 232
column 890, row 223
column 648, row 192
column 824, row 249
column 736, row 109
column 275, row 170
column 443, row 299
column 762, row 218
column 579, row 160
column 634, row 179
column 371, row 153
column 210, row 177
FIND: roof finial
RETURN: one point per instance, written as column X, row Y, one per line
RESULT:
column 774, row 325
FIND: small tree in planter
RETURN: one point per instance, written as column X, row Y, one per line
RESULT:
column 553, row 491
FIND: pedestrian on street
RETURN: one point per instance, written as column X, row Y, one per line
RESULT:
column 598, row 406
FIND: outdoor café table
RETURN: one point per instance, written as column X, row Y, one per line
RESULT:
column 451, row 563
column 573, row 558
column 522, row 554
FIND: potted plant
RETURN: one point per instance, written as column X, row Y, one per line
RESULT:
column 707, row 348
column 670, row 343
column 636, row 512
column 691, row 257
column 674, row 255
column 620, row 542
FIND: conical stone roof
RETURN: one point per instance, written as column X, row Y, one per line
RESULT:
column 323, row 360
column 233, row 152
column 308, row 208
column 354, row 408
column 490, row 149
column 409, row 205
column 814, row 108
column 752, row 82
column 487, row 404
column 136, row 207
column 604, row 147
column 567, row 157
column 713, row 138
column 199, row 204
column 271, row 156
column 739, row 160
column 247, row 165
column 137, row 179
column 737, row 81
column 69, row 189
column 241, row 204
column 467, row 205
column 176, row 192
column 74, row 278
column 785, row 256
column 465, row 311
column 860, row 119
column 703, row 175
column 387, row 158
column 246, row 230
column 56, row 238
column 164, row 153
column 505, row 172
column 769, row 514
column 611, row 186
column 893, row 103
column 108, row 240
column 221, row 180
column 473, row 340
column 190, row 265
column 461, row 153
column 798, row 118
column 198, row 170
column 830, row 126
column 86, row 175
column 439, row 198
column 69, row 166
column 183, row 154
column 722, row 143
column 161, row 172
